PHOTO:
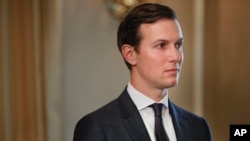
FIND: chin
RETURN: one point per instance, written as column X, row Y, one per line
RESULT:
column 172, row 84
column 169, row 85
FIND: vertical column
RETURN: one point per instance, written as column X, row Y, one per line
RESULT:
column 198, row 55
column 5, row 118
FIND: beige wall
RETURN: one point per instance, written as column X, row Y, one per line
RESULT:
column 93, row 72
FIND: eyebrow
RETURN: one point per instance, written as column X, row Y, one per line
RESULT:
column 181, row 39
column 167, row 41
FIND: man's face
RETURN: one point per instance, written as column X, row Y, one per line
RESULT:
column 160, row 54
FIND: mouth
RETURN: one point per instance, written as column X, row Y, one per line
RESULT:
column 172, row 70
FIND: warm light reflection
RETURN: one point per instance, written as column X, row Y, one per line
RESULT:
column 118, row 8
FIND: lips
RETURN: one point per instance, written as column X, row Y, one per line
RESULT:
column 172, row 70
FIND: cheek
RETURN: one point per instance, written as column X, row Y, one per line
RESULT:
column 149, row 62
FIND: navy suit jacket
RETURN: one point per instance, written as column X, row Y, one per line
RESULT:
column 121, row 121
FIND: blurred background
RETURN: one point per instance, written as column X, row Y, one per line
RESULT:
column 59, row 61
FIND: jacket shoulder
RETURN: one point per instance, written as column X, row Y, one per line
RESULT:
column 196, row 125
column 92, row 126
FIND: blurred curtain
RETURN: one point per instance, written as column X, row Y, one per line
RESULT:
column 26, row 28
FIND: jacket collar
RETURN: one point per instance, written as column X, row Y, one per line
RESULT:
column 132, row 119
column 180, row 123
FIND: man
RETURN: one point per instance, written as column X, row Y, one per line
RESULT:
column 150, row 40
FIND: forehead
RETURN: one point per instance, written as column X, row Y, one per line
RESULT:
column 164, row 28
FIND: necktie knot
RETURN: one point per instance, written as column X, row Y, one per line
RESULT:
column 157, row 107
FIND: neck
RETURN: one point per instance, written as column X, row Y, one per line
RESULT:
column 153, row 93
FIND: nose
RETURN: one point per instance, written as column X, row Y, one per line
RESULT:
column 175, row 54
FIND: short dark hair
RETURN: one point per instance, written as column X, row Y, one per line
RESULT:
column 128, row 30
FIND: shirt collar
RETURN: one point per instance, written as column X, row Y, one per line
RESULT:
column 142, row 101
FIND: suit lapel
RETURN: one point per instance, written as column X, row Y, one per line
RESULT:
column 132, row 119
column 180, row 123
column 133, row 122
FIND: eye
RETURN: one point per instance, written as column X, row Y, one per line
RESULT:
column 178, row 45
column 161, row 45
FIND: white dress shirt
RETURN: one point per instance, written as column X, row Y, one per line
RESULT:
column 142, row 103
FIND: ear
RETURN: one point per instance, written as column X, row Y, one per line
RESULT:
column 129, row 54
